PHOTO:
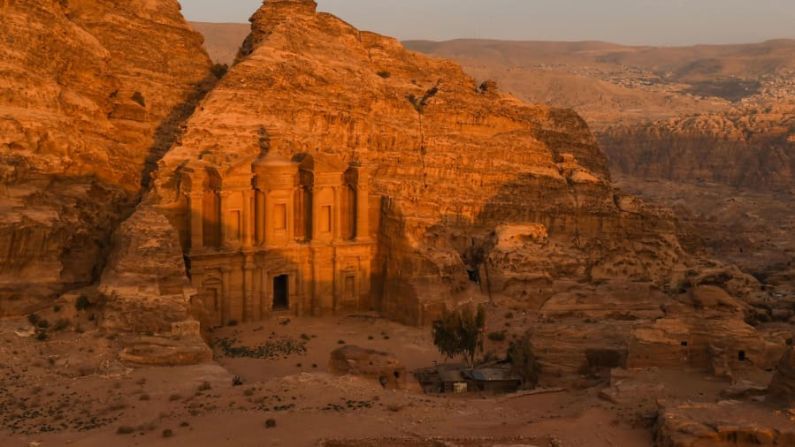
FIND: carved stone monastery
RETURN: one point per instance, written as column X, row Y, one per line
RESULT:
column 277, row 235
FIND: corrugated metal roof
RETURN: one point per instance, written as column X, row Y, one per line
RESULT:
column 490, row 375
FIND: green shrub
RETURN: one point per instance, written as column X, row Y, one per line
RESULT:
column 82, row 303
column 139, row 99
column 384, row 74
column 219, row 70
column 125, row 430
column 460, row 333
column 523, row 361
column 61, row 324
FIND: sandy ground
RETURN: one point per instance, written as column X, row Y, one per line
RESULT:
column 74, row 393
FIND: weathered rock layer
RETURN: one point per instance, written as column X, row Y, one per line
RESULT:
column 89, row 92
column 748, row 147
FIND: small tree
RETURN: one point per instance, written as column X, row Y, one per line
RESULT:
column 419, row 104
column 219, row 70
column 460, row 333
column 523, row 361
column 139, row 99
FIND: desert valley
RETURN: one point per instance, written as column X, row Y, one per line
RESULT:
column 297, row 233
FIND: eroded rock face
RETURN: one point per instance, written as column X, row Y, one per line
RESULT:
column 748, row 147
column 449, row 162
column 89, row 92
column 144, row 282
column 726, row 423
column 782, row 387
column 583, row 330
column 146, row 294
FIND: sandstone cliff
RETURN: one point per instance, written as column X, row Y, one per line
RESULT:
column 450, row 160
column 90, row 91
column 751, row 147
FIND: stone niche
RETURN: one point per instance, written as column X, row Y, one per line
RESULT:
column 274, row 235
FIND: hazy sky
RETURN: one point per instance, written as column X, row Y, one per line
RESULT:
column 660, row 22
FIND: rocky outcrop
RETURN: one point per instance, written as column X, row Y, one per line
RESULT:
column 144, row 282
column 722, row 424
column 90, row 91
column 582, row 330
column 146, row 294
column 449, row 162
column 782, row 387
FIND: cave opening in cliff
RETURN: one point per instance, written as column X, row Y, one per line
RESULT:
column 281, row 300
column 474, row 275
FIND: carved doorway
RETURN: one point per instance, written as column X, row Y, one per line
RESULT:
column 281, row 292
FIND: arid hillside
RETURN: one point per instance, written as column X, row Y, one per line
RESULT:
column 608, row 83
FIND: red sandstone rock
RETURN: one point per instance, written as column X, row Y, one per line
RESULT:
column 89, row 91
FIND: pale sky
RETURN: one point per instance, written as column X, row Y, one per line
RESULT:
column 654, row 22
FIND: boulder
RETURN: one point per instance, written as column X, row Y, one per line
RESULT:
column 381, row 366
column 91, row 92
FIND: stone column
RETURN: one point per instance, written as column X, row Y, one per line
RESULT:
column 311, row 283
column 226, row 301
column 315, row 216
column 196, row 221
column 223, row 196
column 260, row 217
column 362, row 212
column 266, row 303
column 291, row 216
column 268, row 227
column 337, row 212
column 248, row 289
column 257, row 293
column 247, row 220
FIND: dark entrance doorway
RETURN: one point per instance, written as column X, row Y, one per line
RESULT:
column 281, row 292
